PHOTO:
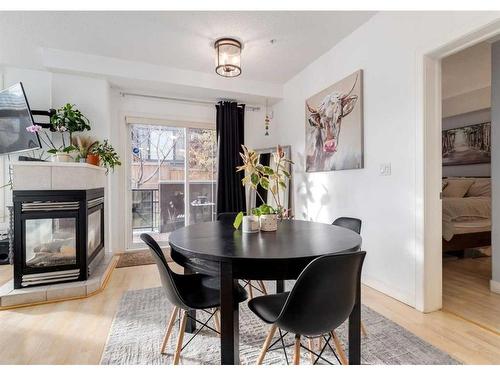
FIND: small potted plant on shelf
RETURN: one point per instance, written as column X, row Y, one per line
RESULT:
column 272, row 180
column 69, row 119
column 84, row 145
column 109, row 158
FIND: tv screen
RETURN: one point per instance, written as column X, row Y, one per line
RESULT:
column 15, row 117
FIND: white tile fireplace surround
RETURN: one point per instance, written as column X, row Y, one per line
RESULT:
column 61, row 181
column 33, row 175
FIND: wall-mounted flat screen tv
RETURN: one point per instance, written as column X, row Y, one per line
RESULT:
column 15, row 117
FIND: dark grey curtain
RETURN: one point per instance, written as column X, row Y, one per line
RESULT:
column 230, row 137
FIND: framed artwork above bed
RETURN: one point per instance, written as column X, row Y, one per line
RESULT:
column 469, row 144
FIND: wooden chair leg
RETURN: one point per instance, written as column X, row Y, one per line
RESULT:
column 296, row 351
column 263, row 287
column 267, row 342
column 250, row 289
column 340, row 350
column 363, row 330
column 311, row 348
column 217, row 321
column 180, row 338
column 169, row 329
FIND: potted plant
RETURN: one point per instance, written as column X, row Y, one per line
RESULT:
column 109, row 158
column 69, row 119
column 268, row 217
column 84, row 145
column 62, row 153
column 272, row 180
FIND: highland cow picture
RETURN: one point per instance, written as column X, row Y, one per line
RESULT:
column 334, row 126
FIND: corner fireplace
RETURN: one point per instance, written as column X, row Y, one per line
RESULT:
column 58, row 235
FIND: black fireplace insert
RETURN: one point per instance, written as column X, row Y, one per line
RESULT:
column 58, row 235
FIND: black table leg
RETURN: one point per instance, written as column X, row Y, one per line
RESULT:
column 280, row 286
column 355, row 330
column 191, row 323
column 229, row 313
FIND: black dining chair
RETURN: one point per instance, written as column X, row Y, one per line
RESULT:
column 187, row 292
column 228, row 218
column 353, row 224
column 320, row 301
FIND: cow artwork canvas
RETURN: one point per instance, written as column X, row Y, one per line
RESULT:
column 334, row 126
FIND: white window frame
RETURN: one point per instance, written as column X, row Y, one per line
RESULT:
column 155, row 121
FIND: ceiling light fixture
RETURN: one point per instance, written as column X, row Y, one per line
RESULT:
column 228, row 57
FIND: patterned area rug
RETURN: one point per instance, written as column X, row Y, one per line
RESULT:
column 138, row 327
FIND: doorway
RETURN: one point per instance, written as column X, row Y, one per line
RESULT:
column 466, row 186
column 172, row 173
column 429, row 166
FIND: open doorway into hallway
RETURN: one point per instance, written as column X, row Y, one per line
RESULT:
column 466, row 148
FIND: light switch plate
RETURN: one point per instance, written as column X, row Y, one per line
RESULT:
column 385, row 169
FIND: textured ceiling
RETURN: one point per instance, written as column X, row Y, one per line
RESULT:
column 183, row 39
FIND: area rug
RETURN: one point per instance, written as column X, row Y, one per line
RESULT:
column 138, row 258
column 138, row 327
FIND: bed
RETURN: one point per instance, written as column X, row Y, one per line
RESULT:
column 466, row 213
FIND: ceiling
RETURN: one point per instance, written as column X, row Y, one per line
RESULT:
column 182, row 39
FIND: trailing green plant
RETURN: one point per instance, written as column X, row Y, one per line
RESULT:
column 109, row 157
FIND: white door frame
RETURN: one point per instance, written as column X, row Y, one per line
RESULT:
column 428, row 254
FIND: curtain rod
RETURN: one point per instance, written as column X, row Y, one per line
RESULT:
column 183, row 100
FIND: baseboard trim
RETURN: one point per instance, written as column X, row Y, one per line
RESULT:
column 382, row 287
column 495, row 286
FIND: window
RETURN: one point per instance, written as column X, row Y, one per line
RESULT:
column 173, row 178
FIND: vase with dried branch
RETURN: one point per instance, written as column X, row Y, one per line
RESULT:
column 83, row 145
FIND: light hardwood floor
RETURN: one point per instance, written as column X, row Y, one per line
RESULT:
column 75, row 332
column 466, row 291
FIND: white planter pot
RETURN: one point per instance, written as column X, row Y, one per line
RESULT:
column 269, row 223
column 62, row 157
column 250, row 224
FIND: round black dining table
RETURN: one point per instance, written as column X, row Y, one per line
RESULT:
column 217, row 248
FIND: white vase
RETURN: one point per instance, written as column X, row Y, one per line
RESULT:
column 269, row 223
column 250, row 224
column 63, row 157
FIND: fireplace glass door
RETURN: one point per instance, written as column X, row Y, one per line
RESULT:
column 95, row 239
column 50, row 242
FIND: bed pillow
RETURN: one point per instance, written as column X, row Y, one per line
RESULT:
column 480, row 188
column 457, row 188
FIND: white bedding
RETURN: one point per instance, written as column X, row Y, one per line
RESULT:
column 470, row 213
column 461, row 227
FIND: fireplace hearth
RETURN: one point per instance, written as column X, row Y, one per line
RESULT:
column 58, row 235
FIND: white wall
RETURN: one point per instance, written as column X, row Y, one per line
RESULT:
column 389, row 48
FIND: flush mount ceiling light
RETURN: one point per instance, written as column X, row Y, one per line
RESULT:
column 228, row 57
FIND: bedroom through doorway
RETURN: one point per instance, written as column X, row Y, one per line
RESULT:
column 466, row 186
